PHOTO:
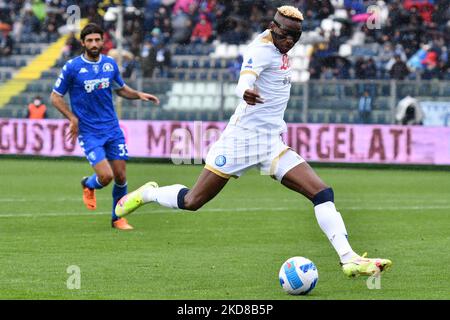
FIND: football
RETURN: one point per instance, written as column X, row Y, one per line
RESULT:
column 298, row 276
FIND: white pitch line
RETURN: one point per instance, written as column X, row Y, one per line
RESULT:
column 279, row 209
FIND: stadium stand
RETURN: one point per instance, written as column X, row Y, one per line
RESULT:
column 337, row 59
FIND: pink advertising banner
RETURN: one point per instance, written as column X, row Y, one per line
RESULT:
column 172, row 139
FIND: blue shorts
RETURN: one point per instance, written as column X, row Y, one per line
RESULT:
column 98, row 147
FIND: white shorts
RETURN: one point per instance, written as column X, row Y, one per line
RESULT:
column 239, row 149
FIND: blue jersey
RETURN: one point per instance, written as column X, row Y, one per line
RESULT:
column 90, row 87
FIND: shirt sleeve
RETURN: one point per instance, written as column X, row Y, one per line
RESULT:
column 64, row 80
column 118, row 82
column 255, row 61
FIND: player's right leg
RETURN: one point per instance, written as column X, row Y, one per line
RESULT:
column 303, row 179
column 177, row 196
column 101, row 178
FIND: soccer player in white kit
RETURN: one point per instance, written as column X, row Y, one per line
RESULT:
column 252, row 138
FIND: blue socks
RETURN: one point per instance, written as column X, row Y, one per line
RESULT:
column 118, row 192
column 93, row 183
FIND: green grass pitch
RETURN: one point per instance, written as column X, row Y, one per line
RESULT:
column 230, row 249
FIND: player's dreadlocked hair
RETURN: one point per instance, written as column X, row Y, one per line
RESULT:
column 290, row 12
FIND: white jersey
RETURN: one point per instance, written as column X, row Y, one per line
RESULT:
column 273, row 83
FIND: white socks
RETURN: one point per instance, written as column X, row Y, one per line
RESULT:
column 331, row 223
column 165, row 196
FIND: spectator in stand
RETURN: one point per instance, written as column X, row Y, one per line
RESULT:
column 430, row 64
column 72, row 48
column 310, row 23
column 399, row 70
column 235, row 67
column 148, row 59
column 342, row 72
column 183, row 5
column 30, row 23
column 52, row 22
column 360, row 68
column 166, row 30
column 182, row 28
column 6, row 44
column 365, row 108
column 155, row 36
column 202, row 31
column 163, row 60
column 371, row 74
column 386, row 55
column 108, row 41
column 255, row 18
column 37, row 109
column 236, row 32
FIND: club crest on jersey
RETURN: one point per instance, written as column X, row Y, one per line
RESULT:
column 96, row 68
column 92, row 156
column 107, row 67
column 285, row 62
column 220, row 161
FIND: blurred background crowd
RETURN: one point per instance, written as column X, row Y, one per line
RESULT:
column 408, row 40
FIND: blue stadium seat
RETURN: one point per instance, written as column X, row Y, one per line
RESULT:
column 184, row 64
column 297, row 90
column 195, row 64
column 344, row 117
column 192, row 75
column 332, row 117
column 206, row 64
column 226, row 77
column 214, row 75
column 181, row 75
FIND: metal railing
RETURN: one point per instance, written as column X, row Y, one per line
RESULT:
column 313, row 101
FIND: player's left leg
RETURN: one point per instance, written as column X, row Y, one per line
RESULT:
column 120, row 189
column 176, row 196
column 300, row 177
column 117, row 154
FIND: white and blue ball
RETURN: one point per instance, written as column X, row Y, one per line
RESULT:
column 298, row 276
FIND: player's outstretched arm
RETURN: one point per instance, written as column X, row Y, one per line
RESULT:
column 245, row 89
column 128, row 93
column 59, row 103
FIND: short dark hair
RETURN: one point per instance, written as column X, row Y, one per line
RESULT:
column 90, row 29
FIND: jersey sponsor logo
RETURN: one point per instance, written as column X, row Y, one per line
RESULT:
column 285, row 62
column 220, row 161
column 83, row 70
column 107, row 67
column 58, row 83
column 96, row 84
column 96, row 68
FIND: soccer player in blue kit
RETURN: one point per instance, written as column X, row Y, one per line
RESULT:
column 90, row 79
